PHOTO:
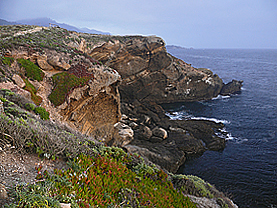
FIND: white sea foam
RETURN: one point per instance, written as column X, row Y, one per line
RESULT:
column 228, row 136
column 180, row 115
column 219, row 97
column 175, row 115
column 211, row 119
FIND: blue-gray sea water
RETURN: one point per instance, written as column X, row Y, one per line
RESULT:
column 247, row 168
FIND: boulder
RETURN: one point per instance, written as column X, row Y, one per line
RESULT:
column 166, row 157
column 125, row 132
column 159, row 132
column 143, row 132
column 43, row 64
column 18, row 81
column 64, row 205
column 58, row 63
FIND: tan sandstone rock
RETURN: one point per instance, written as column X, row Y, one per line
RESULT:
column 18, row 80
column 42, row 62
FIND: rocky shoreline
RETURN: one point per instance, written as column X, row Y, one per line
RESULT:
column 112, row 88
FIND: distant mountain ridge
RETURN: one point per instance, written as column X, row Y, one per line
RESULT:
column 45, row 22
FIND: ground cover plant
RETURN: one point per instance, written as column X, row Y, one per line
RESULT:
column 64, row 82
column 103, row 181
column 32, row 70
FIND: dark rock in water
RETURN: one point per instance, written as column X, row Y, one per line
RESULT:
column 166, row 142
column 231, row 88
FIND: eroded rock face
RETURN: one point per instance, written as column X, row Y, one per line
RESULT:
column 93, row 108
column 149, row 73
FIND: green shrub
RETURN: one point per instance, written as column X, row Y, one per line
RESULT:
column 8, row 92
column 33, row 195
column 32, row 70
column 63, row 83
column 42, row 112
column 30, row 106
column 29, row 87
column 201, row 185
column 7, row 60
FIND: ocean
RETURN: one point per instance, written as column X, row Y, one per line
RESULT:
column 246, row 170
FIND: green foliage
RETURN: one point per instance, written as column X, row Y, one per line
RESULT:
column 42, row 112
column 33, row 195
column 7, row 60
column 30, row 106
column 201, row 185
column 8, row 92
column 63, row 83
column 3, row 99
column 29, row 87
column 32, row 70
column 105, row 182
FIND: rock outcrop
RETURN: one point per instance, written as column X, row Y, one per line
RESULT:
column 231, row 88
column 88, row 80
column 149, row 73
column 168, row 143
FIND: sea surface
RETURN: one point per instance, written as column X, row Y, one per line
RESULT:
column 247, row 168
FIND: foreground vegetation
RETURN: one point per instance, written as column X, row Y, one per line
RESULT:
column 97, row 176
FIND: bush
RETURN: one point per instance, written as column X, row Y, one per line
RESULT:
column 42, row 112
column 63, row 83
column 32, row 70
column 30, row 106
column 106, row 182
column 7, row 60
column 30, row 88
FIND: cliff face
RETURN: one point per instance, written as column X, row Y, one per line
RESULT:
column 149, row 73
column 86, row 81
column 72, row 87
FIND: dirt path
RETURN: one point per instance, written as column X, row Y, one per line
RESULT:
column 16, row 168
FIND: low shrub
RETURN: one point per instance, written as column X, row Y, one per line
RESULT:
column 32, row 70
column 42, row 113
column 30, row 88
column 63, row 83
column 7, row 60
column 30, row 106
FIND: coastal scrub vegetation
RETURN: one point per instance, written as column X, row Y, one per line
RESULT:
column 32, row 70
column 63, row 83
column 97, row 176
column 105, row 181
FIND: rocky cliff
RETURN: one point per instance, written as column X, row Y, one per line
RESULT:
column 149, row 73
column 110, row 88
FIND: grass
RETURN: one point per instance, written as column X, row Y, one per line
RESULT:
column 63, row 83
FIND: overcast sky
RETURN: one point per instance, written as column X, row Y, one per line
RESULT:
column 188, row 23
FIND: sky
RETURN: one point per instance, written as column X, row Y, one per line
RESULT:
column 187, row 23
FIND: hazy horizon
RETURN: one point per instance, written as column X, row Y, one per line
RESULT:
column 215, row 24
